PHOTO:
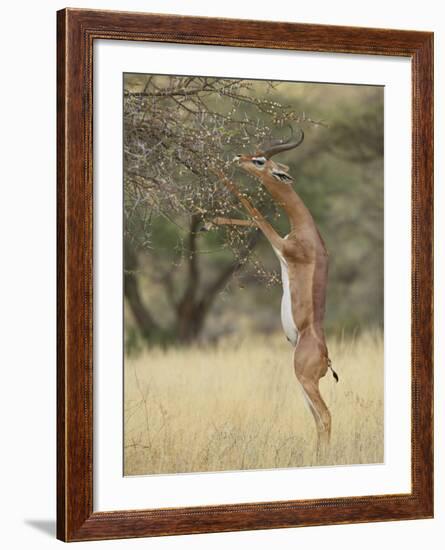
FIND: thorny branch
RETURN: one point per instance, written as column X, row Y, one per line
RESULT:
column 180, row 135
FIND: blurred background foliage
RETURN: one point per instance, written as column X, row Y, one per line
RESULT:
column 185, row 285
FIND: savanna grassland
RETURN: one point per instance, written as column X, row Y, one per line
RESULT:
column 237, row 405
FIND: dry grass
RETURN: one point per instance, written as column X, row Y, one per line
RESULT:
column 238, row 406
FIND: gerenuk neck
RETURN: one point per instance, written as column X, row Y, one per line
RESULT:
column 286, row 197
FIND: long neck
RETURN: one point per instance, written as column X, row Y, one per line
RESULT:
column 285, row 196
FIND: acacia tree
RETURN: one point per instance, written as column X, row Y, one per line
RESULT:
column 175, row 130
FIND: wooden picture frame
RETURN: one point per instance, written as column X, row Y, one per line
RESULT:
column 76, row 32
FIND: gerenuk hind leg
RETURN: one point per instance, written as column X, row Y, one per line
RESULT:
column 310, row 366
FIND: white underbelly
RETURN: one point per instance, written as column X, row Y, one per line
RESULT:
column 287, row 318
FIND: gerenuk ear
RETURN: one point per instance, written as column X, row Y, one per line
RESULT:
column 282, row 176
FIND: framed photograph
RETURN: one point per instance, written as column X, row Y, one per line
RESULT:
column 245, row 229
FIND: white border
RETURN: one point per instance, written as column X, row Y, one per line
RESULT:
column 112, row 491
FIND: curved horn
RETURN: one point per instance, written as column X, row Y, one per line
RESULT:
column 283, row 146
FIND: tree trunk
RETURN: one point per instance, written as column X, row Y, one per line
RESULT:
column 190, row 322
column 144, row 320
column 192, row 311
